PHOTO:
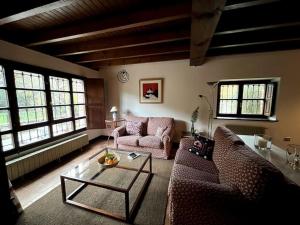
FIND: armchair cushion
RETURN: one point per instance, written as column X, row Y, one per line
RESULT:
column 150, row 142
column 128, row 140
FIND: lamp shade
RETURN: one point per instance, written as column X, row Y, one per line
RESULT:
column 114, row 109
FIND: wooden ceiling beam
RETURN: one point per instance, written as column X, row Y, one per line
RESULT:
column 248, row 4
column 205, row 17
column 116, row 43
column 138, row 51
column 18, row 10
column 255, row 43
column 145, row 59
column 257, row 28
column 114, row 23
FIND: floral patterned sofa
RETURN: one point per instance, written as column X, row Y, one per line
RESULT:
column 236, row 187
column 148, row 141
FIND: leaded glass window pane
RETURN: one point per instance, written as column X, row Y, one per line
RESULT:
column 81, row 123
column 61, row 112
column 77, row 85
column 62, row 128
column 7, row 142
column 78, row 98
column 26, row 80
column 79, row 111
column 59, row 84
column 32, row 115
column 5, row 121
column 30, row 136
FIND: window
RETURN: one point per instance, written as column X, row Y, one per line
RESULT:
column 79, row 103
column 60, row 97
column 31, row 97
column 47, row 105
column 247, row 99
column 5, row 118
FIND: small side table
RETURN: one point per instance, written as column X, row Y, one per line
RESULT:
column 187, row 134
column 114, row 123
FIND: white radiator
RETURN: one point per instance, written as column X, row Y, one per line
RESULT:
column 29, row 162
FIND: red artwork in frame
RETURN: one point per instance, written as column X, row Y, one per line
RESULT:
column 151, row 90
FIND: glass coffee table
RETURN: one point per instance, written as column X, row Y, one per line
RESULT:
column 89, row 172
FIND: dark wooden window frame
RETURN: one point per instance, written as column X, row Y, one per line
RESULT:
column 240, row 83
column 9, row 67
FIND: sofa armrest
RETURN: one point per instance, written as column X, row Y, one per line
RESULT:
column 118, row 132
column 167, row 135
column 192, row 201
column 186, row 143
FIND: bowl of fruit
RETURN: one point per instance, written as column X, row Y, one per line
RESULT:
column 108, row 160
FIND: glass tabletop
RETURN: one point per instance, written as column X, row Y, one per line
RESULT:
column 119, row 176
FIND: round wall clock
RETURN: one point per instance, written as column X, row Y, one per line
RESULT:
column 123, row 76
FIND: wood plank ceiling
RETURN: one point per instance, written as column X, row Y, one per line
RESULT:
column 99, row 33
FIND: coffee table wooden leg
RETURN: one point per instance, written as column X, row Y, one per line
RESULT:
column 63, row 189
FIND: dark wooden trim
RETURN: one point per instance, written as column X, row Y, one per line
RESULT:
column 96, row 26
column 117, row 42
column 205, row 17
column 18, row 10
column 138, row 51
column 144, row 59
column 257, row 28
column 255, row 43
column 248, row 4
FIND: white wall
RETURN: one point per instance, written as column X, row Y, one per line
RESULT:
column 20, row 54
column 182, row 85
column 24, row 55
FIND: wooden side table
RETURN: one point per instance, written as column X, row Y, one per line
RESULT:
column 114, row 123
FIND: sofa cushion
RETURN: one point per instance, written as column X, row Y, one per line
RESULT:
column 150, row 142
column 160, row 130
column 128, row 140
column 155, row 122
column 143, row 120
column 134, row 128
column 225, row 140
column 186, row 172
column 254, row 176
column 184, row 157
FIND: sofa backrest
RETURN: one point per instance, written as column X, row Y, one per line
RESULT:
column 225, row 140
column 255, row 177
column 241, row 167
column 143, row 120
column 155, row 122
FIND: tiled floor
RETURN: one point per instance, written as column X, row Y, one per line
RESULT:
column 34, row 186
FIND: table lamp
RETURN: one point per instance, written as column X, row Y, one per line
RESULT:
column 114, row 111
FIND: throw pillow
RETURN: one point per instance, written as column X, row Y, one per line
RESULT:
column 160, row 131
column 134, row 128
column 203, row 147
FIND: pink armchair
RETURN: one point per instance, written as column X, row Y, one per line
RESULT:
column 160, row 147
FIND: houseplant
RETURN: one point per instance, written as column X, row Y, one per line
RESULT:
column 194, row 118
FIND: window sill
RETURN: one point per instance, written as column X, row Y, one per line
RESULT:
column 246, row 119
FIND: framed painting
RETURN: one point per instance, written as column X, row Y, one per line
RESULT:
column 151, row 90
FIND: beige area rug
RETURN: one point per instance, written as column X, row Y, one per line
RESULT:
column 50, row 210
